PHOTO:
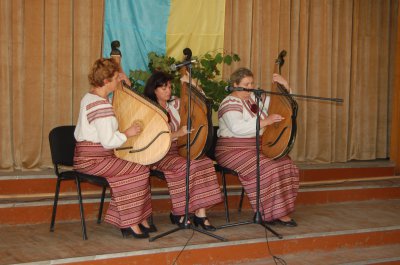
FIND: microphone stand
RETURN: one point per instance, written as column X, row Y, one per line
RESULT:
column 261, row 91
column 257, row 216
column 186, row 217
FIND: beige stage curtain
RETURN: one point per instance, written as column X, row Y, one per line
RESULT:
column 336, row 48
column 47, row 47
column 395, row 130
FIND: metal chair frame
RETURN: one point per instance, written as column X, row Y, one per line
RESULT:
column 62, row 146
column 224, row 171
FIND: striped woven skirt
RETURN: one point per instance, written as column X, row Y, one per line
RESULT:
column 204, row 190
column 130, row 188
column 279, row 179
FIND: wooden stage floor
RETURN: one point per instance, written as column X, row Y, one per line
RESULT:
column 36, row 245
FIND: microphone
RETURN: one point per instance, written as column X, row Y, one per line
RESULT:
column 231, row 89
column 179, row 65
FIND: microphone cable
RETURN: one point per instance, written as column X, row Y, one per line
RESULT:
column 187, row 242
column 277, row 260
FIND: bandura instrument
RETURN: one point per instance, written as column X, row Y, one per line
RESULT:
column 130, row 107
column 201, row 122
column 200, row 117
column 278, row 138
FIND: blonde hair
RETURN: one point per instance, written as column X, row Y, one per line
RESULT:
column 103, row 68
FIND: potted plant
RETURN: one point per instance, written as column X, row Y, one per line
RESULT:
column 207, row 72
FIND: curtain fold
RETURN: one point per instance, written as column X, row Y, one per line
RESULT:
column 337, row 49
column 395, row 96
column 6, row 147
column 47, row 49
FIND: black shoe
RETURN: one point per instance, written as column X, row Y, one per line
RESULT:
column 290, row 223
column 150, row 229
column 201, row 221
column 176, row 219
column 273, row 222
column 126, row 232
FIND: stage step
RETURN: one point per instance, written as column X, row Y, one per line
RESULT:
column 21, row 182
column 358, row 232
column 387, row 254
column 37, row 208
column 341, row 209
column 27, row 198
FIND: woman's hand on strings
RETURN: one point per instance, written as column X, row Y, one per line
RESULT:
column 195, row 83
column 135, row 129
column 181, row 132
column 123, row 77
column 279, row 79
column 271, row 119
column 184, row 131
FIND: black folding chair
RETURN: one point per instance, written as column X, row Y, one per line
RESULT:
column 157, row 173
column 160, row 175
column 223, row 171
column 62, row 146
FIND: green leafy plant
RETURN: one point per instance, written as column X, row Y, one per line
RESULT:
column 207, row 72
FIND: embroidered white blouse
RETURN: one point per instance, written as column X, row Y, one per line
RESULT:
column 237, row 117
column 97, row 123
column 173, row 106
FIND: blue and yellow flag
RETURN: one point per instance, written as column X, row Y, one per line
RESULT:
column 164, row 27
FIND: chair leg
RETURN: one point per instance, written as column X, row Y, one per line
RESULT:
column 78, row 187
column 225, row 196
column 53, row 215
column 103, row 195
column 241, row 201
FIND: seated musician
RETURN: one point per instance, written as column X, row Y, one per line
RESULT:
column 204, row 189
column 236, row 149
column 97, row 135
